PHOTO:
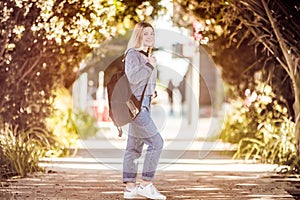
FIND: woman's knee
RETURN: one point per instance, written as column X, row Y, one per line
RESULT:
column 132, row 153
column 159, row 142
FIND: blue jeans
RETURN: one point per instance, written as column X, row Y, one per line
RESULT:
column 142, row 130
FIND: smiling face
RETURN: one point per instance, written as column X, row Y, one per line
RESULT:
column 148, row 37
column 142, row 37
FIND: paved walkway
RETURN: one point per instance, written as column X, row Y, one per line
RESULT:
column 214, row 179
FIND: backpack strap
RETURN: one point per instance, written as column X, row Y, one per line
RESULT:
column 120, row 131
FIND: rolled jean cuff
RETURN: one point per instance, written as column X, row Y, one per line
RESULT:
column 132, row 180
column 146, row 178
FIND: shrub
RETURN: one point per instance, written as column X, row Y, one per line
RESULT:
column 261, row 126
column 85, row 124
column 21, row 149
column 68, row 125
column 273, row 143
column 61, row 124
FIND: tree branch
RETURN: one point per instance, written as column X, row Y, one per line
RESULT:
column 30, row 69
column 280, row 40
column 4, row 44
column 255, row 33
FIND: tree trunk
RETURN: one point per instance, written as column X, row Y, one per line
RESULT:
column 296, row 107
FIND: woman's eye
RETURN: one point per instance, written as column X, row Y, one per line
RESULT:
column 149, row 34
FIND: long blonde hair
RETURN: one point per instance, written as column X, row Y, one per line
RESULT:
column 136, row 38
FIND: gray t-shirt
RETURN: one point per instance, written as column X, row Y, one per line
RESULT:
column 138, row 71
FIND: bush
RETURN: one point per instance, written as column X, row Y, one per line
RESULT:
column 68, row 124
column 61, row 124
column 273, row 143
column 85, row 124
column 21, row 149
column 261, row 126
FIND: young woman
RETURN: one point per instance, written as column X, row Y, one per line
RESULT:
column 140, row 69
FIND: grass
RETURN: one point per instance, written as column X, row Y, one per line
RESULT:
column 22, row 149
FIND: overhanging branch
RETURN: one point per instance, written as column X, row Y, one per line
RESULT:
column 280, row 40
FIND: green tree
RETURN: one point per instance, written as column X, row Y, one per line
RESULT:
column 43, row 42
column 250, row 36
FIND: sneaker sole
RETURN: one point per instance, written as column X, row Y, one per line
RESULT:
column 136, row 197
column 145, row 196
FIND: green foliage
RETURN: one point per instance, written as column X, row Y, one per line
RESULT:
column 31, row 66
column 68, row 124
column 21, row 149
column 273, row 143
column 85, row 124
column 243, row 40
column 261, row 126
column 61, row 124
column 43, row 43
column 91, row 22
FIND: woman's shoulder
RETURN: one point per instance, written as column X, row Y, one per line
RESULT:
column 132, row 51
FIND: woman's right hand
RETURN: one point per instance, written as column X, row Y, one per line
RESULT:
column 152, row 60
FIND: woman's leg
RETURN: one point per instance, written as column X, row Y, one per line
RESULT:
column 144, row 128
column 155, row 146
column 146, row 188
column 145, row 131
column 130, row 164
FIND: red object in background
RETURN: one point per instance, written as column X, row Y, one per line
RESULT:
column 105, row 114
column 101, row 112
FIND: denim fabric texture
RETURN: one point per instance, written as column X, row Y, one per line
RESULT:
column 142, row 130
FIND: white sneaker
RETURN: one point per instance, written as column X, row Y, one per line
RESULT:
column 150, row 192
column 130, row 193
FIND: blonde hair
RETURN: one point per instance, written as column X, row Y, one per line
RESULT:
column 136, row 38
